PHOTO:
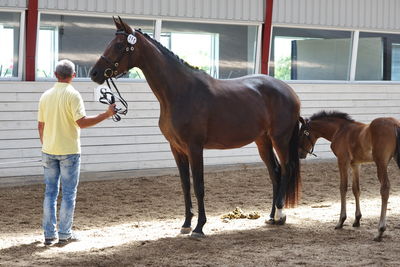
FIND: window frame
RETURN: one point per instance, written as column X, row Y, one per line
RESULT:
column 21, row 45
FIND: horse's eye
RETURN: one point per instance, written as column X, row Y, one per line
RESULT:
column 118, row 46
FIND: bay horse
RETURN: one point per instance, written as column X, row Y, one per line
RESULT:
column 199, row 112
column 354, row 143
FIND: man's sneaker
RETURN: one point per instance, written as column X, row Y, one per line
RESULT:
column 71, row 238
column 50, row 241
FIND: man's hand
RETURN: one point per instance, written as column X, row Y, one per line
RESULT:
column 111, row 110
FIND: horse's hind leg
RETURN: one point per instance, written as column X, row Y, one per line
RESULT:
column 385, row 188
column 183, row 166
column 282, row 148
column 268, row 156
column 344, row 173
column 356, row 192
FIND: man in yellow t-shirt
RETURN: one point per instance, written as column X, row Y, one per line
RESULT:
column 61, row 116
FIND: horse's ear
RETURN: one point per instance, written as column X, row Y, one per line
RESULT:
column 125, row 26
column 117, row 23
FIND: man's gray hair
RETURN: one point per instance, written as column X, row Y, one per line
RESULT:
column 65, row 68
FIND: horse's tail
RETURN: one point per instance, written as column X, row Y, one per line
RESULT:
column 397, row 152
column 294, row 184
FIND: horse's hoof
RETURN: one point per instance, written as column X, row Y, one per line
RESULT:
column 271, row 221
column 186, row 230
column 356, row 224
column 378, row 238
column 339, row 226
column 281, row 221
column 197, row 235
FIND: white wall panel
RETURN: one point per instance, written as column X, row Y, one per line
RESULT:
column 133, row 143
column 225, row 10
column 352, row 14
column 13, row 4
column 136, row 141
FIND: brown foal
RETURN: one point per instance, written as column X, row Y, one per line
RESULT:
column 354, row 143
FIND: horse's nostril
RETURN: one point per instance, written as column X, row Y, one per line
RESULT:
column 94, row 73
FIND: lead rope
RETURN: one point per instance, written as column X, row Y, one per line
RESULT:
column 108, row 97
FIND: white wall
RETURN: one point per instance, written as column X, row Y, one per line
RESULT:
column 136, row 142
column 226, row 10
column 133, row 143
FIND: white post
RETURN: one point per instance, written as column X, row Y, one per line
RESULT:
column 353, row 61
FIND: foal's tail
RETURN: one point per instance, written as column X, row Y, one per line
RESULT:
column 397, row 152
column 294, row 185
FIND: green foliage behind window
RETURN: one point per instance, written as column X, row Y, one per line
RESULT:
column 283, row 68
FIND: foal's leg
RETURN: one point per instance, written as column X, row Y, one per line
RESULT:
column 267, row 155
column 197, row 166
column 356, row 192
column 385, row 188
column 344, row 170
column 183, row 166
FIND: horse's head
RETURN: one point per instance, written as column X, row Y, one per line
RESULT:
column 118, row 56
column 307, row 139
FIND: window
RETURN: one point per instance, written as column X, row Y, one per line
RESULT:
column 223, row 51
column 80, row 39
column 9, row 36
column 395, row 62
column 202, row 51
column 310, row 54
column 378, row 57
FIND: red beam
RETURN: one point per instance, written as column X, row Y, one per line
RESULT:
column 266, row 36
column 30, row 40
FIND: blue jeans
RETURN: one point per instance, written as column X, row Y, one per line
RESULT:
column 66, row 167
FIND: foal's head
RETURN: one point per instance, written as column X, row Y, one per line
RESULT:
column 319, row 125
column 307, row 139
column 118, row 57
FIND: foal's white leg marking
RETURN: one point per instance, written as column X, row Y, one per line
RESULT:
column 278, row 214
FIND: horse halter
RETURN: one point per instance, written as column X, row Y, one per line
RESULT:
column 112, row 71
column 108, row 97
column 306, row 132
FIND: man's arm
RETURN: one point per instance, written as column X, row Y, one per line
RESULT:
column 86, row 122
column 41, row 128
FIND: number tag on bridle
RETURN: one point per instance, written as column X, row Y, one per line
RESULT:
column 131, row 39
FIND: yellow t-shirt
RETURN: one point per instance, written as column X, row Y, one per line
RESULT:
column 59, row 108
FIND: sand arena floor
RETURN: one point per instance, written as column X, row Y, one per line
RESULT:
column 136, row 222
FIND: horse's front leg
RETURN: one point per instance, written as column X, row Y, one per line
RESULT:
column 197, row 166
column 183, row 166
column 385, row 188
column 344, row 173
column 356, row 191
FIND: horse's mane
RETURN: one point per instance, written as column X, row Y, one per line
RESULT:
column 331, row 114
column 167, row 52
